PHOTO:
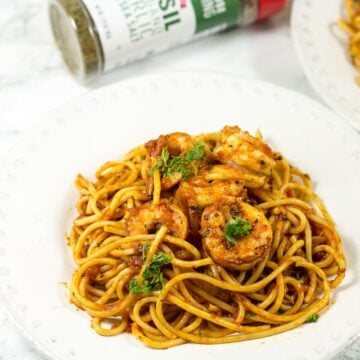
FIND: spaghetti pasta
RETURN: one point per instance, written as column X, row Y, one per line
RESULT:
column 351, row 25
column 208, row 239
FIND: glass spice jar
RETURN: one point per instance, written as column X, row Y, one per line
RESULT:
column 96, row 36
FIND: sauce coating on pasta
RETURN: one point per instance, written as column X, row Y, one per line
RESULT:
column 207, row 239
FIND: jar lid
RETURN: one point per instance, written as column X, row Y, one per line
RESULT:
column 270, row 7
column 74, row 35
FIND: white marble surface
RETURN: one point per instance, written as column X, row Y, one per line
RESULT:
column 33, row 81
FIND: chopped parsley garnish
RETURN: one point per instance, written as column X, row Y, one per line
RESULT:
column 162, row 162
column 144, row 250
column 236, row 227
column 184, row 164
column 312, row 318
column 197, row 152
column 152, row 277
column 136, row 288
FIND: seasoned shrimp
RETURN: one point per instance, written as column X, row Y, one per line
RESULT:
column 249, row 249
column 239, row 149
column 225, row 172
column 197, row 193
column 202, row 192
column 148, row 218
column 177, row 144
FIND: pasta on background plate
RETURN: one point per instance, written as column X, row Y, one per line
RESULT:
column 351, row 25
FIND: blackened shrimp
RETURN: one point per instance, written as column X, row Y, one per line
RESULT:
column 176, row 144
column 148, row 218
column 239, row 149
column 201, row 192
column 225, row 172
column 197, row 193
column 248, row 250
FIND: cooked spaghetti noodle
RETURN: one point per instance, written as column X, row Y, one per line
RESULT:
column 208, row 239
column 351, row 25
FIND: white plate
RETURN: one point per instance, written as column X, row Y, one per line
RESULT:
column 321, row 46
column 37, row 200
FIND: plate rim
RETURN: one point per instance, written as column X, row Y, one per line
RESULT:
column 11, row 312
column 318, row 87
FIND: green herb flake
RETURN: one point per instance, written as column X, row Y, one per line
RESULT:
column 136, row 288
column 312, row 318
column 184, row 164
column 152, row 277
column 197, row 152
column 236, row 227
column 144, row 250
column 162, row 162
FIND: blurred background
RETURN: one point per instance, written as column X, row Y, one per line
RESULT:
column 34, row 80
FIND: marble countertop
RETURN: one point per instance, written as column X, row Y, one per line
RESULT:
column 33, row 81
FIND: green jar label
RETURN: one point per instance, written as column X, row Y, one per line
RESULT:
column 212, row 13
column 131, row 30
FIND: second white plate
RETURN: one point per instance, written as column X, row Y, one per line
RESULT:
column 321, row 46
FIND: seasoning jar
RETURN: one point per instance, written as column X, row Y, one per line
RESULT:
column 96, row 36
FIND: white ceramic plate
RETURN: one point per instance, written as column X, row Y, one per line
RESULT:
column 37, row 200
column 321, row 46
